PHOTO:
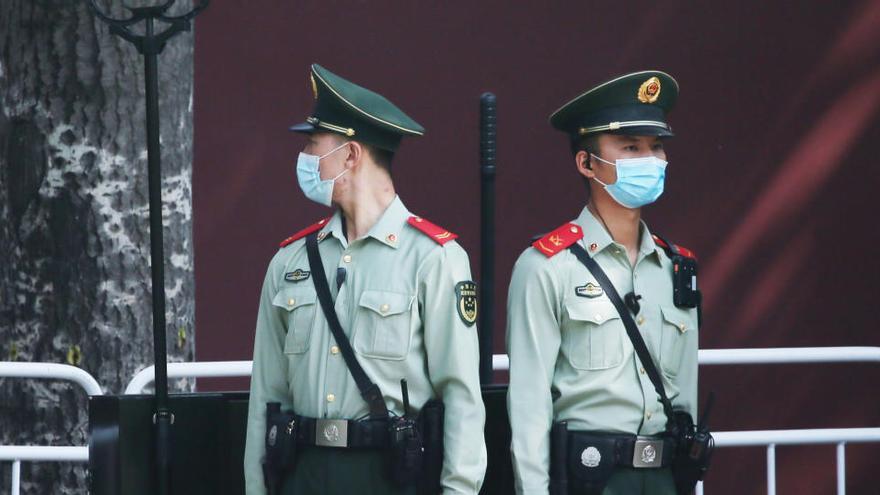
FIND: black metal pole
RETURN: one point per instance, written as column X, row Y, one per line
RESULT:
column 487, row 234
column 162, row 418
column 150, row 44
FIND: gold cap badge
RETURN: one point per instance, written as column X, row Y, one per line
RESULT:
column 649, row 90
column 314, row 86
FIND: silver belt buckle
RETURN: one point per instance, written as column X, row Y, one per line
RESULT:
column 648, row 452
column 331, row 433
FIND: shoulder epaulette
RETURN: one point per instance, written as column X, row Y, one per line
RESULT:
column 438, row 234
column 559, row 239
column 304, row 232
column 671, row 248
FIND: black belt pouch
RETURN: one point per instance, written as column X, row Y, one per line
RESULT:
column 430, row 423
column 591, row 459
column 281, row 428
column 558, row 457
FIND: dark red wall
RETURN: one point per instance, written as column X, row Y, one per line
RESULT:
column 772, row 180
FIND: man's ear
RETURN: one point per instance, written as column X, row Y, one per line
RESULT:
column 355, row 154
column 583, row 161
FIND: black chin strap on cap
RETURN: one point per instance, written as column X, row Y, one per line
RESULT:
column 369, row 390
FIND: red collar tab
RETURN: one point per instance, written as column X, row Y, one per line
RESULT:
column 439, row 234
column 559, row 239
column 687, row 253
column 304, row 232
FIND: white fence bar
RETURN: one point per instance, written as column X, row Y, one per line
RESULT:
column 787, row 355
column 500, row 362
column 780, row 355
column 841, row 468
column 16, row 477
column 795, row 437
column 38, row 453
column 771, row 469
column 207, row 369
column 17, row 369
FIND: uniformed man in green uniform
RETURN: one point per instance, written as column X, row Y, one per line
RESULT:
column 403, row 294
column 570, row 357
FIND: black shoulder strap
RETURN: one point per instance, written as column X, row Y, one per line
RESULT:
column 369, row 390
column 631, row 329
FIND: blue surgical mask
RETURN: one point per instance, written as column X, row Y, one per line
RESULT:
column 308, row 174
column 639, row 180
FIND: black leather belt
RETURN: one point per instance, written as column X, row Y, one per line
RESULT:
column 629, row 450
column 342, row 433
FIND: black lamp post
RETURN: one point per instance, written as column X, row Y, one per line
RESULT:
column 150, row 44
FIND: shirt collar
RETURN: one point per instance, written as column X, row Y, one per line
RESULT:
column 648, row 246
column 596, row 238
column 386, row 230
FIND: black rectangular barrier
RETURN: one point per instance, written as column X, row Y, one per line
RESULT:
column 207, row 443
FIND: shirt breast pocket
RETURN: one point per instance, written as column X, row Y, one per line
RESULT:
column 299, row 308
column 677, row 325
column 593, row 335
column 382, row 328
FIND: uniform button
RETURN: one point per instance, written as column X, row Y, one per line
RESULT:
column 291, row 301
column 384, row 308
column 641, row 320
column 331, row 397
column 648, row 415
column 347, row 258
column 598, row 317
column 593, row 247
column 334, row 350
column 681, row 326
column 642, row 370
column 392, row 238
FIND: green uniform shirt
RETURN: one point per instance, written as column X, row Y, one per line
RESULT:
column 571, row 359
column 398, row 307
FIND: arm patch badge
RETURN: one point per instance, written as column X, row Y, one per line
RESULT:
column 466, row 302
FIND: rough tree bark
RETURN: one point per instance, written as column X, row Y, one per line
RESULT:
column 74, row 230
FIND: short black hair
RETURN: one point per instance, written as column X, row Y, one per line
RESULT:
column 588, row 143
column 381, row 157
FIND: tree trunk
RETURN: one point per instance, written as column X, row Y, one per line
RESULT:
column 74, row 228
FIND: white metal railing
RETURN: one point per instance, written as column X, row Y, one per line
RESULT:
column 206, row 369
column 36, row 453
column 707, row 357
column 768, row 438
column 15, row 369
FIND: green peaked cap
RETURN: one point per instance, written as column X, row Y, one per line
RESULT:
column 345, row 108
column 634, row 104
